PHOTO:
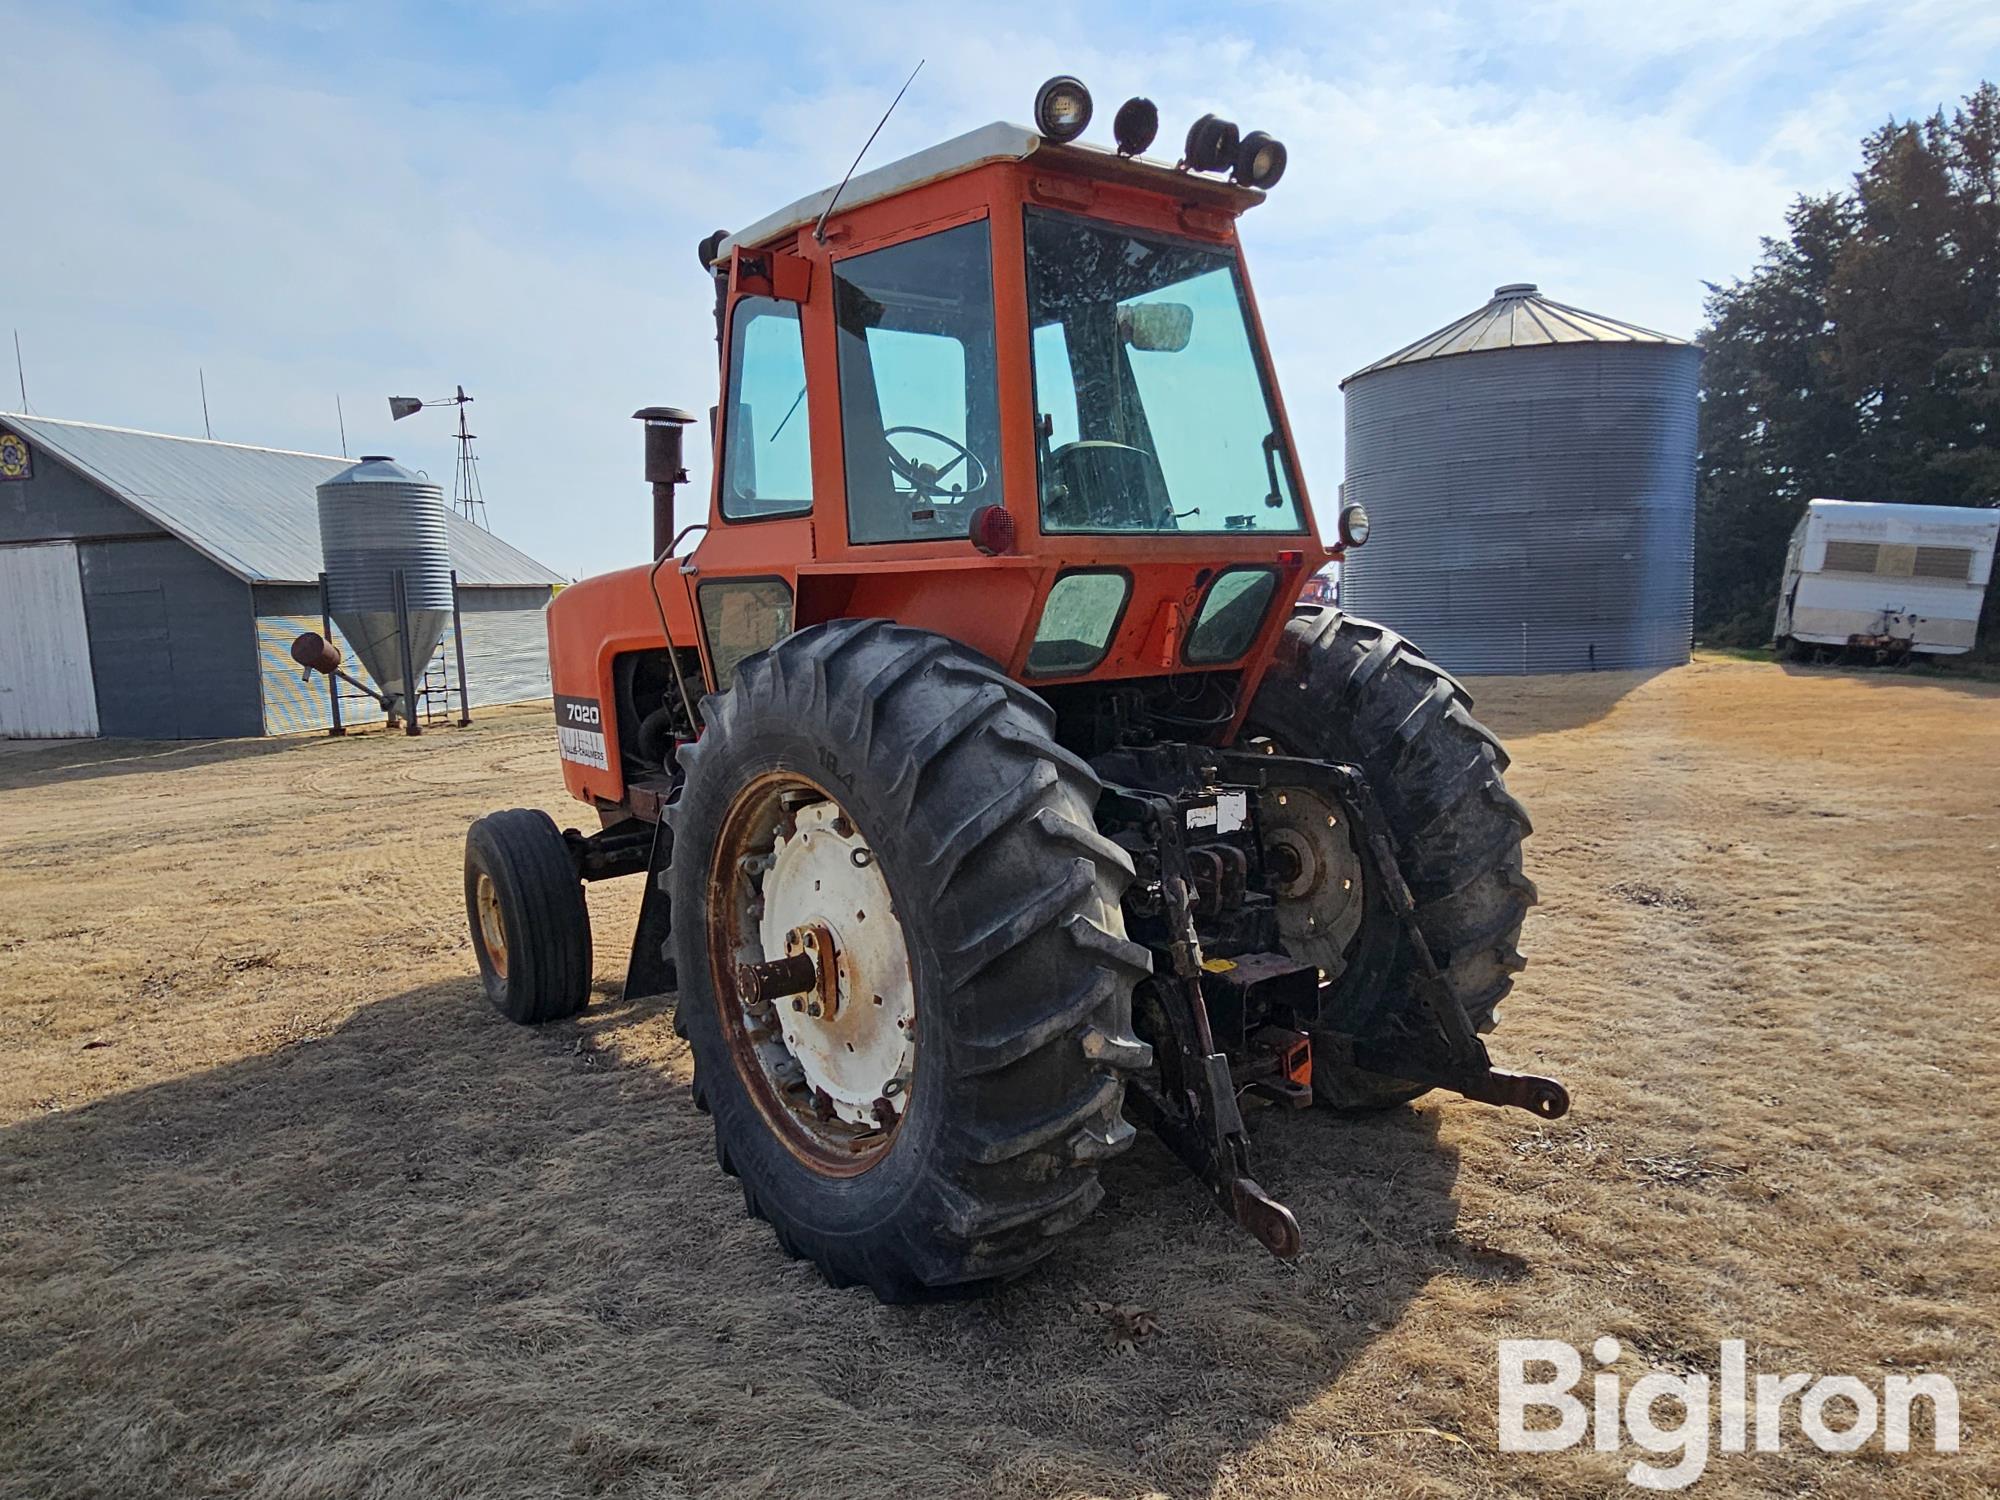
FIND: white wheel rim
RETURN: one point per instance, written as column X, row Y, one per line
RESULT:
column 825, row 879
column 794, row 883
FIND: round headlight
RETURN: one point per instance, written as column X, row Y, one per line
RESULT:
column 1062, row 108
column 1260, row 160
column 1135, row 125
column 1211, row 145
column 1354, row 525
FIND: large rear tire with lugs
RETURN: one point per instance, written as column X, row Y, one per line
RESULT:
column 883, row 811
column 1350, row 690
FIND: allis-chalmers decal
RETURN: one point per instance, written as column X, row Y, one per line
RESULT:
column 580, row 732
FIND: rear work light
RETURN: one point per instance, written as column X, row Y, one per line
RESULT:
column 1062, row 108
column 991, row 530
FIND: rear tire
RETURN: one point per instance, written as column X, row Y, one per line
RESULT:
column 1005, row 905
column 1350, row 690
column 530, row 927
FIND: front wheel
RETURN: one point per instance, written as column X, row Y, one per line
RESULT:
column 1353, row 691
column 903, row 964
column 524, row 905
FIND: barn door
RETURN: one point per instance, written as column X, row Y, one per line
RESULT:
column 45, row 686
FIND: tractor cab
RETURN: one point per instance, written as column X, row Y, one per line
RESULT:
column 1014, row 389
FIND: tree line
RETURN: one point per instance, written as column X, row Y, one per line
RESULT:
column 1859, row 360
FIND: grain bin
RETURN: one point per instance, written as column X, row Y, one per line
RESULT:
column 376, row 520
column 1529, row 473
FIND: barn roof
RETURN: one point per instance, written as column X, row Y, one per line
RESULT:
column 249, row 510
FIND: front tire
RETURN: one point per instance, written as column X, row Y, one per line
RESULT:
column 939, row 777
column 530, row 927
column 1350, row 690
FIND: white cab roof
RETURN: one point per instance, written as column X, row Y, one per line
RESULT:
column 999, row 141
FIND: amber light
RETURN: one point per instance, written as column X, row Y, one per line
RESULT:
column 992, row 530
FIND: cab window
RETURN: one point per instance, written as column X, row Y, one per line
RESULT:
column 767, row 457
column 1078, row 621
column 1235, row 607
column 919, row 404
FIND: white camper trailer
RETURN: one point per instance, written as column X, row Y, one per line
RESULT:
column 1891, row 578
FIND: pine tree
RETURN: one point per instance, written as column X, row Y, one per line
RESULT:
column 1860, row 359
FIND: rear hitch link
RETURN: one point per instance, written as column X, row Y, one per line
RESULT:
column 1193, row 1107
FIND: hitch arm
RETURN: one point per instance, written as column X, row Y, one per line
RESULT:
column 1193, row 1107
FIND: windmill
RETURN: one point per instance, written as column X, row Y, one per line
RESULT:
column 466, row 496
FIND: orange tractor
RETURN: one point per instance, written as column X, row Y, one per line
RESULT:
column 987, row 786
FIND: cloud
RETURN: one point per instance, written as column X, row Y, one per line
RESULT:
column 365, row 198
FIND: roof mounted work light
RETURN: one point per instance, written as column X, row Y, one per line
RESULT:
column 1062, row 108
column 1260, row 161
column 1211, row 145
column 1135, row 125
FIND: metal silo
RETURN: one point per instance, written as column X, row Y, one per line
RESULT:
column 380, row 524
column 1529, row 473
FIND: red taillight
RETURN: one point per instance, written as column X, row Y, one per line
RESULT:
column 992, row 530
column 1291, row 559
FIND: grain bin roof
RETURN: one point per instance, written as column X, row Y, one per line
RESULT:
column 1518, row 317
column 249, row 510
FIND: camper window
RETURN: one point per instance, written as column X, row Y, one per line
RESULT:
column 1851, row 557
column 1954, row 563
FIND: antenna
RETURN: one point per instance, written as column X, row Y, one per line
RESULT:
column 343, row 423
column 819, row 229
column 206, row 430
column 19, row 370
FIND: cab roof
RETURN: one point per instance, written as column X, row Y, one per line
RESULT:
column 997, row 142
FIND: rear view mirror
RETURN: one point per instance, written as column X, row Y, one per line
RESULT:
column 1156, row 327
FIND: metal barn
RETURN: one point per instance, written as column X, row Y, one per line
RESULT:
column 1529, row 471
column 151, row 586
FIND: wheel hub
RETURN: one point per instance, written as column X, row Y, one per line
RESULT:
column 850, row 1036
column 1318, row 872
column 492, row 926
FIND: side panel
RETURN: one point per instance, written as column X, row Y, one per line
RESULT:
column 506, row 655
column 45, row 687
column 1829, row 608
column 173, row 643
column 506, row 644
column 590, row 625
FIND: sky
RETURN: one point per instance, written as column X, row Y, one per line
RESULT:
column 345, row 199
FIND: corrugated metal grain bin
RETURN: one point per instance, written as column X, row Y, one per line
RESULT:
column 377, row 519
column 1529, row 474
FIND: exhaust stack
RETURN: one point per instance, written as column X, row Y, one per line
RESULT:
column 664, row 469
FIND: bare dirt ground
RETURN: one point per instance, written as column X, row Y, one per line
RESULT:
column 286, row 1211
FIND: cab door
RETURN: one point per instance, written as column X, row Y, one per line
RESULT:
column 743, row 577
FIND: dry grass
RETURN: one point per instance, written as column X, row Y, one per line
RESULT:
column 286, row 1212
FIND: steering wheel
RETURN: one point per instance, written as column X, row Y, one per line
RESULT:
column 927, row 481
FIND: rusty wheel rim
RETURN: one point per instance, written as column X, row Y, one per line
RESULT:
column 492, row 926
column 832, row 1064
column 1310, row 845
